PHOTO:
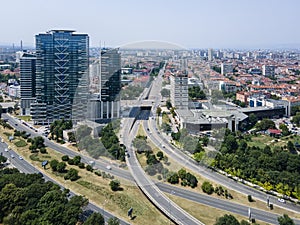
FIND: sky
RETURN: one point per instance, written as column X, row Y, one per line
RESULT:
column 188, row 23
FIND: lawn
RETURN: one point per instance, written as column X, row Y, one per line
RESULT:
column 20, row 143
column 25, row 118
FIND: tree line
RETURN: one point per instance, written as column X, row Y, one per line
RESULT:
column 273, row 168
column 29, row 199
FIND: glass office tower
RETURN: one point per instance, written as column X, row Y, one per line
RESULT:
column 61, row 76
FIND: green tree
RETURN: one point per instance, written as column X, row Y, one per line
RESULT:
column 252, row 119
column 284, row 129
column 114, row 185
column 77, row 159
column 291, row 147
column 227, row 220
column 2, row 159
column 285, row 220
column 65, row 158
column 160, row 155
column 207, row 187
column 72, row 175
column 54, row 164
column 173, row 178
column 95, row 219
column 61, row 166
column 265, row 124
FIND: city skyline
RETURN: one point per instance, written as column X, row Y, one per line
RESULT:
column 216, row 24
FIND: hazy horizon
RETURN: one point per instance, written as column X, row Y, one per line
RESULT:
column 191, row 24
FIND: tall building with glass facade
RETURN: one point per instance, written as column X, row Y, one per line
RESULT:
column 61, row 76
column 105, row 102
column 28, row 76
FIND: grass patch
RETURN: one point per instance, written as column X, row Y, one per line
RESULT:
column 35, row 157
column 20, row 143
column 204, row 213
column 25, row 118
column 7, row 134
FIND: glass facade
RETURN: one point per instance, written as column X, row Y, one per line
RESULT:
column 61, row 75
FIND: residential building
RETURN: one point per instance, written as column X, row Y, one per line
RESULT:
column 226, row 68
column 61, row 76
column 268, row 70
column 179, row 90
column 28, row 76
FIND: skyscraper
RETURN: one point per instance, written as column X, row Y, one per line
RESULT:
column 61, row 76
column 210, row 54
column 28, row 74
column 104, row 104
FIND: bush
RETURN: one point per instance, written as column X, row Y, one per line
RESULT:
column 207, row 187
column 77, row 159
column 250, row 198
column 89, row 168
column 81, row 165
column 159, row 177
column 173, row 178
column 20, row 143
column 61, row 166
column 98, row 173
column 72, row 175
column 53, row 164
column 65, row 158
column 71, row 162
column 114, row 185
column 43, row 150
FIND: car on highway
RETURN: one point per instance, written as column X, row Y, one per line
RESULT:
column 20, row 157
column 108, row 167
column 12, row 156
column 6, row 149
column 281, row 200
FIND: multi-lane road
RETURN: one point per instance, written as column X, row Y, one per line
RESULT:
column 181, row 158
column 160, row 200
column 24, row 166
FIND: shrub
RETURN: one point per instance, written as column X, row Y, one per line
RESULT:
column 43, row 150
column 72, row 175
column 89, row 168
column 207, row 187
column 65, row 158
column 53, row 164
column 114, row 185
column 71, row 162
column 81, row 165
column 250, row 198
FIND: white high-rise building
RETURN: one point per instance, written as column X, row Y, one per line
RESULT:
column 179, row 90
column 210, row 54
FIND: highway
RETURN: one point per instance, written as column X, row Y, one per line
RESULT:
column 204, row 199
column 185, row 161
column 160, row 200
column 25, row 167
